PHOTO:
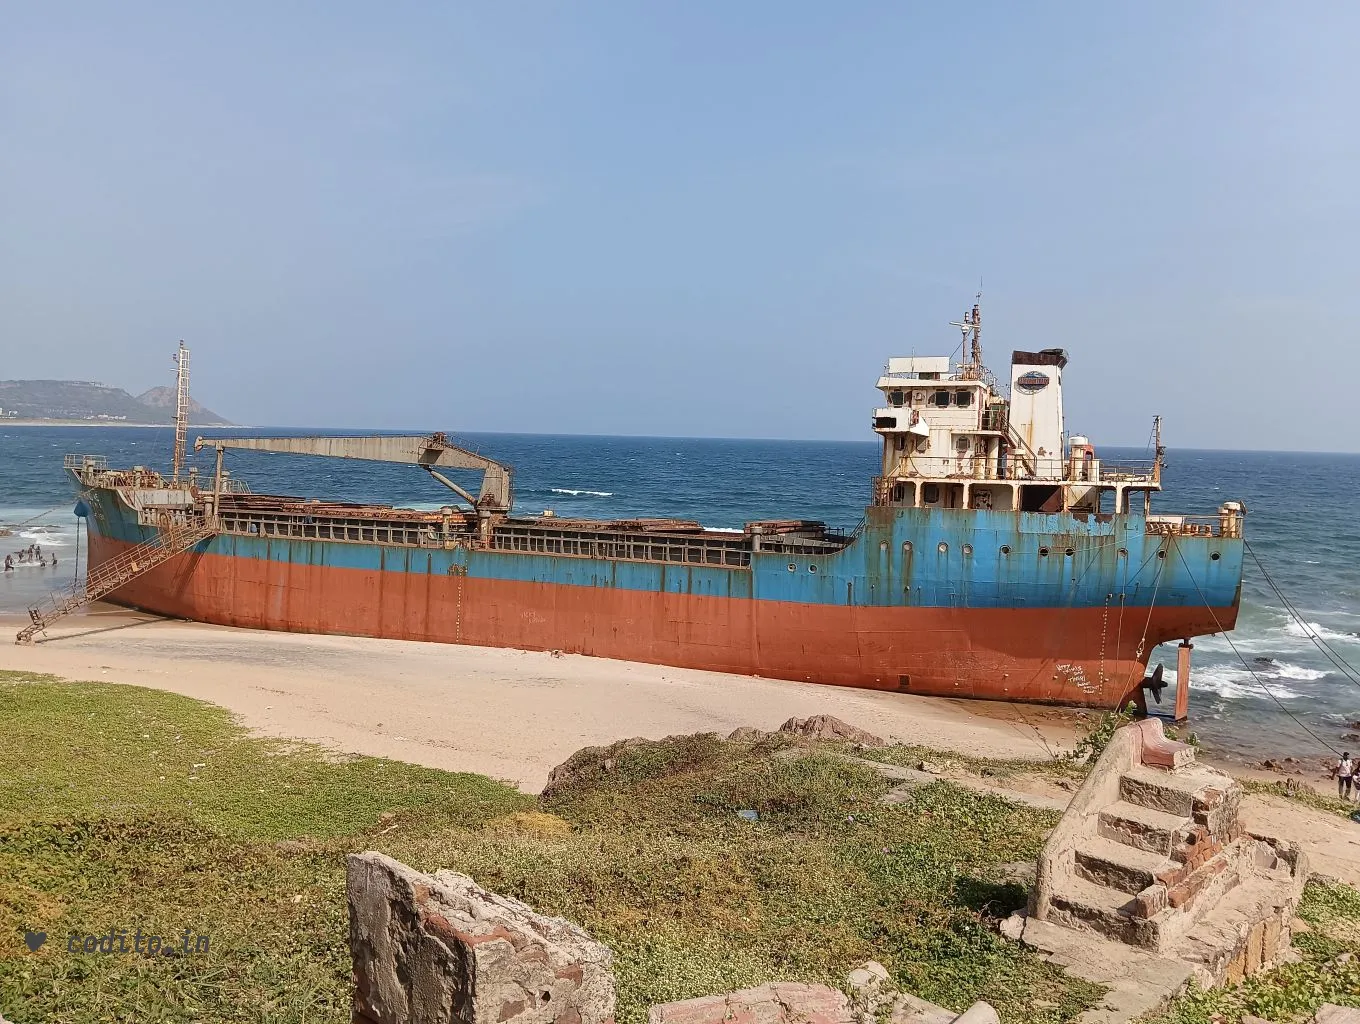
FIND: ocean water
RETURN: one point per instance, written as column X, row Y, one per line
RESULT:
column 1276, row 685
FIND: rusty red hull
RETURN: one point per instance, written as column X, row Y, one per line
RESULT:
column 1088, row 656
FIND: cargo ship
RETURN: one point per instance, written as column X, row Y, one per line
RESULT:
column 998, row 557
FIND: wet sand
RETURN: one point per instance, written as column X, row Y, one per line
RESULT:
column 512, row 715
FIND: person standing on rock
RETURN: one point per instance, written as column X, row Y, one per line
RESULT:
column 1344, row 773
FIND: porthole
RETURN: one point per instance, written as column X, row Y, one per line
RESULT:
column 1005, row 549
column 1123, row 552
column 1161, row 554
column 1069, row 552
column 1043, row 552
column 968, row 549
column 944, row 548
column 1214, row 556
column 906, row 547
column 812, row 568
column 792, row 567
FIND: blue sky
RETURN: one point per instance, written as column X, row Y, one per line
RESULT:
column 687, row 219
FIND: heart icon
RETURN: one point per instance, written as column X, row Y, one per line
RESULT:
column 33, row 940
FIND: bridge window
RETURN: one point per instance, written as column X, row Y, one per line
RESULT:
column 940, row 398
column 963, row 398
column 930, row 493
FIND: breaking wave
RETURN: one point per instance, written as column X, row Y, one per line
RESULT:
column 1237, row 684
column 1315, row 630
column 1287, row 671
column 577, row 494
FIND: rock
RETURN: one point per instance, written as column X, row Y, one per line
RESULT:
column 1249, row 1019
column 1068, row 785
column 588, row 763
column 1299, row 926
column 1345, row 958
column 868, row 976
column 386, row 818
column 978, row 1013
column 930, row 768
column 768, row 1004
column 1330, row 1013
column 825, row 727
column 747, row 734
column 1351, row 736
column 909, row 1009
column 1013, row 927
column 429, row 949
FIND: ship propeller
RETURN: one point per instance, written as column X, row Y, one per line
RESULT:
column 1154, row 683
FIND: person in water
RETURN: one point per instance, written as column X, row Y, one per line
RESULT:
column 1344, row 773
column 9, row 563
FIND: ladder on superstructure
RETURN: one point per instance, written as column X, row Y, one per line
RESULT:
column 173, row 537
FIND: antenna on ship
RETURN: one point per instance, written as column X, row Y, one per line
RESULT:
column 1160, row 449
column 181, row 407
column 971, row 325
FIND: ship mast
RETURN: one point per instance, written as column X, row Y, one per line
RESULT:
column 1160, row 450
column 181, row 408
column 971, row 327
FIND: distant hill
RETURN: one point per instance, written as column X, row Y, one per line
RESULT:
column 163, row 399
column 88, row 400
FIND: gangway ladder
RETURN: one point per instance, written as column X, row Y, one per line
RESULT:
column 173, row 538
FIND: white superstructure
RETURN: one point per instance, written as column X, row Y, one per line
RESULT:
column 952, row 439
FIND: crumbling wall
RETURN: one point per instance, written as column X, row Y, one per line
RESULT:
column 439, row 949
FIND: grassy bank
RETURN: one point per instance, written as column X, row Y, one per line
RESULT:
column 123, row 808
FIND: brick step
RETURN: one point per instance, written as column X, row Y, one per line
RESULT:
column 1175, row 792
column 1241, row 929
column 1089, row 907
column 1117, row 866
column 1143, row 828
column 1216, row 875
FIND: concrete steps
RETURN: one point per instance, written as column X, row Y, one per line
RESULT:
column 1143, row 828
column 1150, row 855
column 1116, row 866
column 1164, row 850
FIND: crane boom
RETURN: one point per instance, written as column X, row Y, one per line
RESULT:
column 428, row 452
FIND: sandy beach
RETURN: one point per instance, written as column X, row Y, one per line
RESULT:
column 512, row 715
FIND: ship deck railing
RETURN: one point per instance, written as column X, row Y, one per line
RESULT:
column 411, row 528
column 1023, row 471
column 1225, row 524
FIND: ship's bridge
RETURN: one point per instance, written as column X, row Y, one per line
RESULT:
column 953, row 439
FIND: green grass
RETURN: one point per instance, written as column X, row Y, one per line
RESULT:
column 122, row 808
column 1293, row 992
column 910, row 756
column 1303, row 794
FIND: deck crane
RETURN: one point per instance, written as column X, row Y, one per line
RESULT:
column 430, row 452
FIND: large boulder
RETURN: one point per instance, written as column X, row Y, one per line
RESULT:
column 439, row 949
column 826, row 727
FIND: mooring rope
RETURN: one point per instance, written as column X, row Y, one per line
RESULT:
column 1341, row 664
column 1259, row 681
